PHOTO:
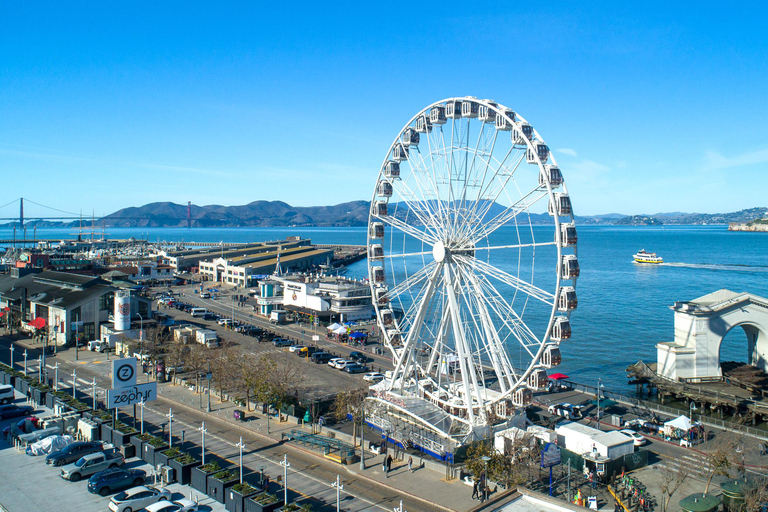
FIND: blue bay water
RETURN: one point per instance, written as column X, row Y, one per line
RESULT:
column 623, row 307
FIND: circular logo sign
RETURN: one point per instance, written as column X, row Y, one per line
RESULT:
column 125, row 373
column 125, row 309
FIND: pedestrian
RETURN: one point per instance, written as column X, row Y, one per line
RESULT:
column 475, row 494
column 384, row 462
column 410, row 464
column 389, row 464
column 592, row 479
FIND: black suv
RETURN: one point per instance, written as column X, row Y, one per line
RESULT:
column 321, row 357
column 112, row 480
column 72, row 452
column 359, row 357
column 13, row 410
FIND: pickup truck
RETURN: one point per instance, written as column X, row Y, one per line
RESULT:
column 90, row 464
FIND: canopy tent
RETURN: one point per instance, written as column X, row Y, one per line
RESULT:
column 333, row 326
column 350, row 323
column 357, row 334
column 558, row 376
column 681, row 422
column 340, row 330
column 38, row 323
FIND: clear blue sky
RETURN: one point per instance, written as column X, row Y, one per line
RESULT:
column 105, row 105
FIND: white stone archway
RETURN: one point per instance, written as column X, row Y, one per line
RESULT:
column 701, row 325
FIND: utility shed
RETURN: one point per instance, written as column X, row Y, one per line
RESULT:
column 582, row 439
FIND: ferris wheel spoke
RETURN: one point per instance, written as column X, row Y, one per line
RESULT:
column 510, row 280
column 489, row 196
column 427, row 190
column 407, row 255
column 468, row 170
column 410, row 282
column 522, row 205
column 513, row 246
column 404, row 227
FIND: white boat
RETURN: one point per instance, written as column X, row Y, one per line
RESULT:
column 647, row 257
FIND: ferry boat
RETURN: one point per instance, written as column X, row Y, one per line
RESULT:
column 647, row 257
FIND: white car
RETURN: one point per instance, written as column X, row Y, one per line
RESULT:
column 225, row 322
column 183, row 505
column 205, row 295
column 137, row 498
column 637, row 438
column 373, row 377
column 340, row 365
column 332, row 362
column 294, row 348
column 565, row 410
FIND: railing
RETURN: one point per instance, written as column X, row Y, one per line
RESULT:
column 670, row 411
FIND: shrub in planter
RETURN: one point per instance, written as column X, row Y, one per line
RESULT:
column 152, row 446
column 262, row 502
column 182, row 466
column 200, row 475
column 236, row 494
column 121, row 434
column 219, row 483
column 138, row 441
column 292, row 507
column 166, row 455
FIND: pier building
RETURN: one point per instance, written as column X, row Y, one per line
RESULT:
column 185, row 259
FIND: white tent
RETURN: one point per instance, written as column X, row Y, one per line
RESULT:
column 340, row 330
column 682, row 422
column 333, row 327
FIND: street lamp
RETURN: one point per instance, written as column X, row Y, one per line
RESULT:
column 74, row 383
column 55, row 376
column 141, row 404
column 599, row 385
column 12, row 349
column 485, row 459
column 208, row 376
column 170, row 427
column 241, row 446
column 25, row 362
column 362, row 440
column 285, row 465
column 339, row 487
column 203, row 430
column 40, row 369
column 93, row 384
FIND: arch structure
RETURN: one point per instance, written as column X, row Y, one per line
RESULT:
column 701, row 325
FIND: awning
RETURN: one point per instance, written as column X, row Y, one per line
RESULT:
column 340, row 330
column 681, row 422
column 333, row 326
column 558, row 376
column 356, row 335
column 350, row 324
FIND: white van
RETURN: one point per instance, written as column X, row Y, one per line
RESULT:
column 6, row 394
column 198, row 312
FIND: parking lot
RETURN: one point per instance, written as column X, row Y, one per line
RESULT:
column 29, row 484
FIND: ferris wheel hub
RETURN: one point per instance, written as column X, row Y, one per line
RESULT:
column 439, row 251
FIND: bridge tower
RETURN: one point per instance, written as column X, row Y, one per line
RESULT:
column 189, row 214
column 21, row 213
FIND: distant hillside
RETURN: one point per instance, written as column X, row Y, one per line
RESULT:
column 355, row 213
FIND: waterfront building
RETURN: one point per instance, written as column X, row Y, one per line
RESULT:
column 186, row 259
column 331, row 298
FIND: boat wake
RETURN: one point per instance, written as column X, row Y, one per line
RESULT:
column 712, row 266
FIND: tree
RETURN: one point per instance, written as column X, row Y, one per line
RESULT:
column 350, row 403
column 672, row 478
column 499, row 466
column 756, row 494
column 724, row 453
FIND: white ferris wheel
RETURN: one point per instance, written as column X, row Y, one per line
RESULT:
column 472, row 265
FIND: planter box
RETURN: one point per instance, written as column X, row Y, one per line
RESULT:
column 106, row 432
column 250, row 505
column 162, row 458
column 50, row 400
column 139, row 444
column 148, row 452
column 234, row 501
column 39, row 396
column 2, row 377
column 21, row 385
column 217, row 488
column 121, row 438
column 183, row 471
column 199, row 479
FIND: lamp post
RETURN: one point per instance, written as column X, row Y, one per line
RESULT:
column 241, row 446
column 74, row 383
column 285, row 465
column 141, row 404
column 170, row 427
column 599, row 385
column 12, row 349
column 208, row 376
column 362, row 440
column 40, row 368
column 203, row 430
column 339, row 487
column 25, row 362
column 93, row 391
column 485, row 460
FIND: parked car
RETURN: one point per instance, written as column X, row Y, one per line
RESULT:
column 13, row 410
column 137, row 498
column 282, row 342
column 183, row 505
column 638, row 439
column 224, row 322
column 373, row 377
column 73, row 452
column 294, row 348
column 91, row 464
column 359, row 357
column 321, row 357
column 306, row 351
column 565, row 410
column 112, row 480
column 355, row 368
column 6, row 394
column 340, row 365
column 332, row 362
column 205, row 295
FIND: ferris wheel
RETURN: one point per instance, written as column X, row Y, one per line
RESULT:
column 472, row 263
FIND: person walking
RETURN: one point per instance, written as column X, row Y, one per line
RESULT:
column 384, row 463
column 410, row 464
column 389, row 464
column 475, row 494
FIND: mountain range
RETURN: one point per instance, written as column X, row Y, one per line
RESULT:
column 354, row 213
